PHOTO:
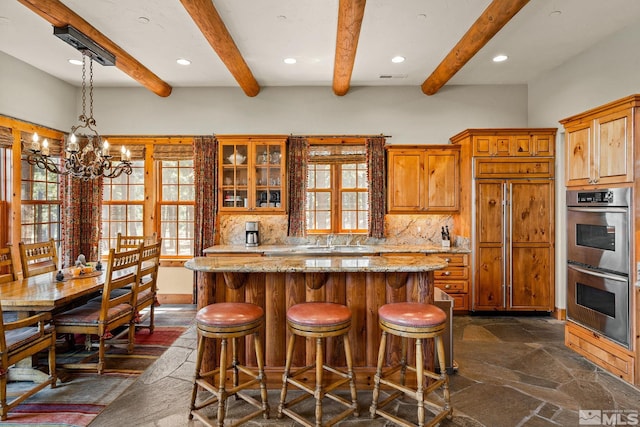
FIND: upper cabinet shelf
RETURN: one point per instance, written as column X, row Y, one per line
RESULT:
column 252, row 174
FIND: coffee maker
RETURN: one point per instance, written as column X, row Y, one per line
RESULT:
column 252, row 237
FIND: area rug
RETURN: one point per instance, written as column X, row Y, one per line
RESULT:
column 82, row 396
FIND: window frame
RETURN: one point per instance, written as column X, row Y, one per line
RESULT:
column 160, row 202
column 29, row 170
column 336, row 191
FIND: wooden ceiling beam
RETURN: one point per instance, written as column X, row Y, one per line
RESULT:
column 495, row 16
column 350, row 15
column 60, row 15
column 206, row 17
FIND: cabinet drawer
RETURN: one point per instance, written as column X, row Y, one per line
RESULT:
column 452, row 286
column 460, row 302
column 455, row 260
column 507, row 168
column 453, row 273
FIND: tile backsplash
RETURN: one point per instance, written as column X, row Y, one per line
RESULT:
column 399, row 229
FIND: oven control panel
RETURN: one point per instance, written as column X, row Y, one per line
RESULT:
column 615, row 197
column 595, row 197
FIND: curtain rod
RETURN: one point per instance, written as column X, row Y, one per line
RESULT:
column 341, row 136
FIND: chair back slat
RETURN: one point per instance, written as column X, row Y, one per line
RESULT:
column 123, row 269
column 7, row 269
column 124, row 243
column 38, row 258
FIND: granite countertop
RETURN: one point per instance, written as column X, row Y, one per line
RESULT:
column 313, row 264
column 290, row 250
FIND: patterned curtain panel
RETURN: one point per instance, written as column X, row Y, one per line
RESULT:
column 205, row 167
column 376, row 171
column 81, row 218
column 298, row 149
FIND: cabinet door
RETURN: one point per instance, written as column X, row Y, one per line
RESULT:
column 522, row 145
column 268, row 181
column 578, row 143
column 613, row 155
column 490, row 251
column 406, row 180
column 543, row 145
column 531, row 214
column 491, row 145
column 443, row 180
column 234, row 176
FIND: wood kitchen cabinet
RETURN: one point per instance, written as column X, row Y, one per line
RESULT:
column 252, row 174
column 511, row 142
column 511, row 215
column 454, row 280
column 423, row 179
column 599, row 147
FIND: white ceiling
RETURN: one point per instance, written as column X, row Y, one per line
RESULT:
column 544, row 34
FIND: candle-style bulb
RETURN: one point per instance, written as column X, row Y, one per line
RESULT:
column 128, row 156
column 105, row 148
column 35, row 145
column 45, row 147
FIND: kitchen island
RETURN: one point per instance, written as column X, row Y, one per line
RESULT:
column 275, row 283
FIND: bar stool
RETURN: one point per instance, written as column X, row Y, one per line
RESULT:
column 318, row 320
column 418, row 321
column 226, row 321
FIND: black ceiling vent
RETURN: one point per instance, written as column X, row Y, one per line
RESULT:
column 85, row 45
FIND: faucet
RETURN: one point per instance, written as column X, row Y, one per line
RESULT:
column 330, row 240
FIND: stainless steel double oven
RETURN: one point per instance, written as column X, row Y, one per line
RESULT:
column 598, row 261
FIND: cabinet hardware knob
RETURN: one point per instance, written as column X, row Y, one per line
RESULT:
column 447, row 273
column 447, row 259
column 447, row 286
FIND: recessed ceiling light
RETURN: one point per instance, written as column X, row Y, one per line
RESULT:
column 500, row 58
column 397, row 59
column 290, row 60
column 4, row 20
column 143, row 20
column 555, row 13
column 75, row 62
column 183, row 61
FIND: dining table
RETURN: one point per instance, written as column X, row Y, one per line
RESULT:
column 47, row 292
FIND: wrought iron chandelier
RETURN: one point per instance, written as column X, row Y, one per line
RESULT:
column 91, row 161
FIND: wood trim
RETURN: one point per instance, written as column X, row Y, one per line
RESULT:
column 350, row 15
column 494, row 17
column 59, row 15
column 175, row 298
column 206, row 17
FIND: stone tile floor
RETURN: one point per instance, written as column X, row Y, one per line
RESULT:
column 513, row 371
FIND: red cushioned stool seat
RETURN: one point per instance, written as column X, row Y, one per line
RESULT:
column 419, row 321
column 229, row 321
column 318, row 320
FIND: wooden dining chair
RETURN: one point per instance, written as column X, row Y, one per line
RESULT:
column 124, row 243
column 38, row 258
column 146, row 290
column 7, row 270
column 21, row 339
column 111, row 310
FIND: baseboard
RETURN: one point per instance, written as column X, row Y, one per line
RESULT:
column 559, row 313
column 175, row 298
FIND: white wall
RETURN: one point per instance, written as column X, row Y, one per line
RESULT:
column 405, row 113
column 31, row 95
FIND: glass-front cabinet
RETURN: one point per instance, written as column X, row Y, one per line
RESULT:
column 252, row 174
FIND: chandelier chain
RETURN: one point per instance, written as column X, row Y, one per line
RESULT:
column 84, row 84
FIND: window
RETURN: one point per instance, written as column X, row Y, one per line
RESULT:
column 40, row 205
column 122, row 206
column 337, row 190
column 176, row 204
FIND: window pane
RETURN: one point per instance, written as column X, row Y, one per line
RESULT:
column 170, row 192
column 363, row 220
column 349, row 221
column 135, row 214
column 323, row 220
column 323, row 201
column 349, row 201
column 118, row 213
column 349, row 176
column 187, row 193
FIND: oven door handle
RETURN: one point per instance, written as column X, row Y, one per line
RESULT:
column 598, row 210
column 598, row 273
